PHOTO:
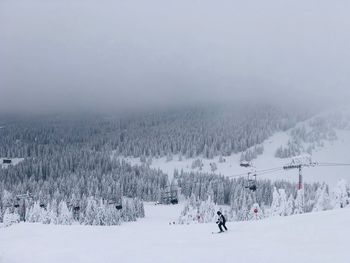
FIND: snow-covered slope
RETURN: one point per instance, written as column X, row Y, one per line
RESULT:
column 317, row 237
column 328, row 151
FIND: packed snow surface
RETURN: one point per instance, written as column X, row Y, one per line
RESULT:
column 317, row 237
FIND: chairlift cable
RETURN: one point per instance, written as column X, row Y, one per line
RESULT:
column 276, row 169
column 257, row 172
column 333, row 164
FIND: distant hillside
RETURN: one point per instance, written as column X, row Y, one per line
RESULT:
column 325, row 137
column 203, row 131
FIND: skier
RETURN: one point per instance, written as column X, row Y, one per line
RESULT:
column 221, row 221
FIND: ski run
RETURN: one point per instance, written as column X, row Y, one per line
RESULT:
column 314, row 237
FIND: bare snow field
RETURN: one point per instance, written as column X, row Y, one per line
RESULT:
column 315, row 237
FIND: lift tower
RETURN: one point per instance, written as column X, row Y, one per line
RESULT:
column 300, row 167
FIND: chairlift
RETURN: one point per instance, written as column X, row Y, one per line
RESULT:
column 16, row 202
column 117, row 206
column 6, row 161
column 174, row 201
column 245, row 164
column 251, row 182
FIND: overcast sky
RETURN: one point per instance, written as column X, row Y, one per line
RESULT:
column 104, row 55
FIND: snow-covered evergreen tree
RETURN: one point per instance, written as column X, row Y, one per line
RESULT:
column 290, row 206
column 198, row 212
column 207, row 211
column 10, row 218
column 299, row 202
column 65, row 216
column 341, row 195
column 282, row 202
column 322, row 199
column 35, row 213
column 244, row 213
column 275, row 206
column 90, row 211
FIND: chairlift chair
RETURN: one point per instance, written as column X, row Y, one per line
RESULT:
column 251, row 182
column 245, row 164
column 174, row 201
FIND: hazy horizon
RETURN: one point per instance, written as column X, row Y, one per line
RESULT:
column 136, row 55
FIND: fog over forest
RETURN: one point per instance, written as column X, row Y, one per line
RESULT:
column 133, row 55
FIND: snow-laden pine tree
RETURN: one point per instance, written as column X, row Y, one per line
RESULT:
column 7, row 198
column 341, row 195
column 275, row 206
column 198, row 212
column 290, row 206
column 52, row 214
column 207, row 211
column 35, row 213
column 112, row 216
column 322, row 199
column 189, row 214
column 283, row 202
column 299, row 202
column 65, row 216
column 10, row 218
column 90, row 211
column 100, row 214
column 47, row 215
column 280, row 205
column 243, row 213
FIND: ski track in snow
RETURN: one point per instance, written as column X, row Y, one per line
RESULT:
column 316, row 237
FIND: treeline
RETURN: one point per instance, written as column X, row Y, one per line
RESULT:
column 206, row 131
column 89, row 212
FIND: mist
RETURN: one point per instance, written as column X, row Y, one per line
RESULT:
column 135, row 55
